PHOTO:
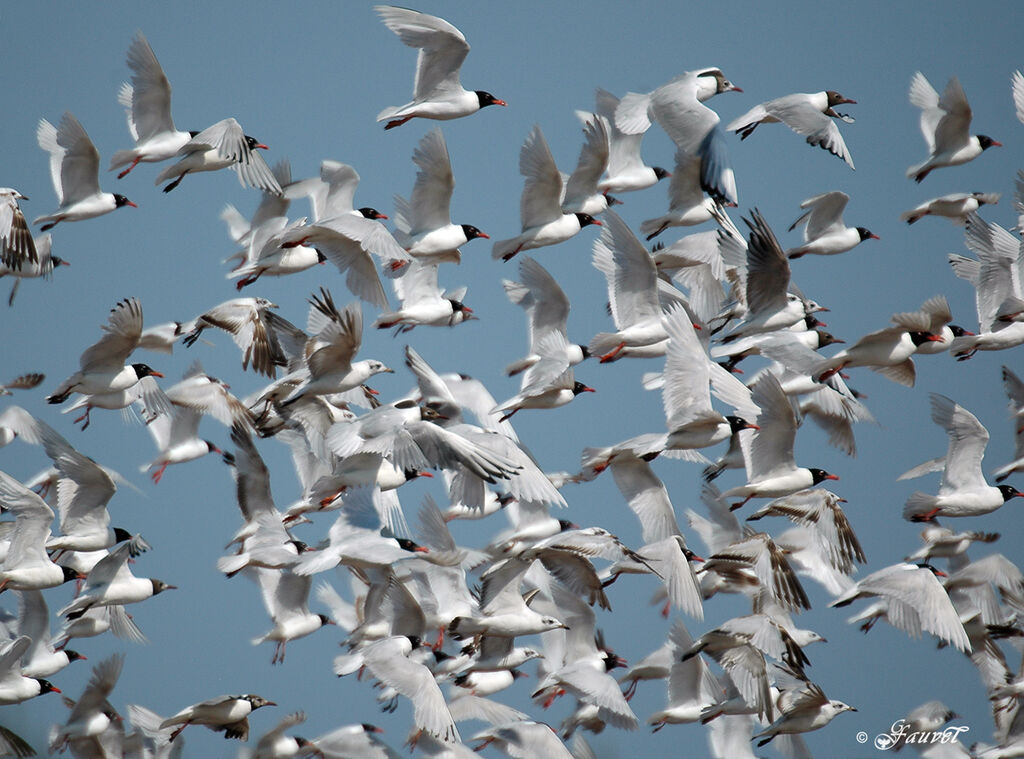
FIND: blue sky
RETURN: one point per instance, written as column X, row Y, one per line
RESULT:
column 308, row 79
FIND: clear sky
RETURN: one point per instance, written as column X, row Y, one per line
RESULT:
column 308, row 79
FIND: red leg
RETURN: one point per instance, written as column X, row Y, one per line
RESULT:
column 124, row 173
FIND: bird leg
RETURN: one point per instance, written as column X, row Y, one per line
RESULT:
column 658, row 726
column 396, row 122
column 631, row 690
column 246, row 281
column 159, row 473
column 928, row 516
column 175, row 183
column 510, row 256
column 278, row 657
column 177, row 731
column 610, row 355
column 440, row 639
column 741, row 504
column 509, row 414
column 124, row 173
column 84, row 416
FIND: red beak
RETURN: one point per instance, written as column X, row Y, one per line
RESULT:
column 832, row 477
column 502, row 102
column 127, row 203
column 261, row 146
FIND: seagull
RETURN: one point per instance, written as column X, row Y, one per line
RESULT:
column 332, row 193
column 338, row 335
column 626, row 169
column 996, row 280
column 423, row 301
column 176, row 431
column 691, row 686
column 945, row 124
column 147, row 102
column 263, row 540
column 504, row 612
column 110, row 582
column 549, row 383
column 770, row 305
column 920, row 598
column 266, row 256
column 102, row 368
column 887, row 351
column 547, row 310
column 964, row 491
column 286, row 598
column 424, row 226
column 809, row 114
column 26, row 566
column 388, row 660
column 540, row 211
column 247, row 320
column 74, row 168
column 581, row 191
column 1014, row 389
column 771, row 469
column 89, row 716
column 274, row 744
column 221, row 146
column 825, row 233
column 227, row 714
column 84, row 489
column 803, row 710
column 348, row 240
column 678, row 107
column 14, row 687
column 687, row 204
column 16, row 244
column 956, row 207
column 632, row 291
column 41, row 659
column 437, row 93
column 45, row 266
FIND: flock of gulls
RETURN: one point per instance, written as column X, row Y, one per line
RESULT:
column 442, row 629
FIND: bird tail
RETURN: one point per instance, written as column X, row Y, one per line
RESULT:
column 603, row 343
column 503, row 248
column 919, row 172
column 651, row 228
column 121, row 158
column 919, row 504
column 170, row 172
column 911, row 216
column 517, row 367
column 232, row 564
column 389, row 112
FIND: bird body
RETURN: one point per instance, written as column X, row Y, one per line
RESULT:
column 147, row 103
column 438, row 93
column 809, row 114
column 543, row 220
column 224, row 713
column 825, row 233
column 945, row 124
column 74, row 168
column 956, row 206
